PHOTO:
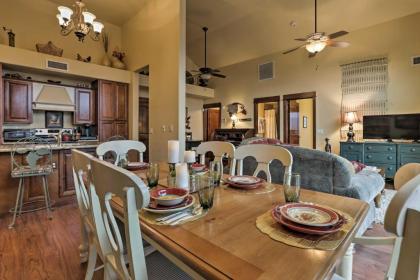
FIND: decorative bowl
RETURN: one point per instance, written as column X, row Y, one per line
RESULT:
column 169, row 196
column 198, row 167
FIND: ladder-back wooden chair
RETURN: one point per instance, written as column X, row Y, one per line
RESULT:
column 220, row 150
column 264, row 155
column 108, row 181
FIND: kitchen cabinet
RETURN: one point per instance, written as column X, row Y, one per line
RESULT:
column 112, row 109
column 85, row 106
column 17, row 101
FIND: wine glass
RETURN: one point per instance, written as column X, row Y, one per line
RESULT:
column 152, row 175
column 216, row 171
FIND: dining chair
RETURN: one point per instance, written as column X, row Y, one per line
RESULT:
column 120, row 148
column 126, row 260
column 94, row 239
column 264, row 155
column 220, row 150
column 402, row 219
column 405, row 173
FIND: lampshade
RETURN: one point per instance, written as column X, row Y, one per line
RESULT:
column 97, row 27
column 351, row 117
column 88, row 17
column 65, row 13
column 315, row 46
column 60, row 20
column 234, row 117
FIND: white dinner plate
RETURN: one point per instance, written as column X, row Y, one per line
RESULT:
column 173, row 210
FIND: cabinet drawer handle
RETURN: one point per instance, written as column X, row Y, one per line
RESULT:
column 369, row 147
column 389, row 168
column 350, row 147
column 390, row 157
column 390, row 149
column 413, row 149
column 369, row 156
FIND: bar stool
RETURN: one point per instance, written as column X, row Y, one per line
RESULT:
column 31, row 157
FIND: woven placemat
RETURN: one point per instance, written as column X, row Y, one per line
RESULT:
column 151, row 217
column 266, row 224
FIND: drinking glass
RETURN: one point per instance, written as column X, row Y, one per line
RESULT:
column 206, row 192
column 194, row 182
column 171, row 181
column 216, row 170
column 123, row 161
column 153, row 175
column 291, row 185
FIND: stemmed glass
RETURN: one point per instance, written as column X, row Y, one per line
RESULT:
column 152, row 175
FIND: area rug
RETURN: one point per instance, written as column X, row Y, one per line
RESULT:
column 385, row 200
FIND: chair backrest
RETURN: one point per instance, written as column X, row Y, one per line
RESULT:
column 120, row 148
column 403, row 219
column 109, row 180
column 87, row 200
column 220, row 150
column 264, row 155
column 36, row 151
column 405, row 173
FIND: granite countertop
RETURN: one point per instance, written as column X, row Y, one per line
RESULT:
column 7, row 148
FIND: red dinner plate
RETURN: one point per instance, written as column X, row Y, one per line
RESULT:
column 244, row 180
column 308, row 214
column 132, row 166
column 305, row 229
column 154, row 205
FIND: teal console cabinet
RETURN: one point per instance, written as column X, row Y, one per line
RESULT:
column 388, row 156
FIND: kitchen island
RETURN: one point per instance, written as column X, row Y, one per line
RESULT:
column 60, row 182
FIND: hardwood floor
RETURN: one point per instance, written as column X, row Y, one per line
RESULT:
column 48, row 249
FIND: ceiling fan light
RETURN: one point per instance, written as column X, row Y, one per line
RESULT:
column 206, row 76
column 61, row 21
column 88, row 17
column 65, row 13
column 97, row 27
column 315, row 46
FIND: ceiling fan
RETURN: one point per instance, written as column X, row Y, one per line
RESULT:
column 205, row 73
column 317, row 41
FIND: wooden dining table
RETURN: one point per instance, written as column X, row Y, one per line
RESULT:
column 226, row 244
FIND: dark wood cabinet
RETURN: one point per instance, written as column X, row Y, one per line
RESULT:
column 17, row 101
column 122, row 103
column 112, row 109
column 85, row 106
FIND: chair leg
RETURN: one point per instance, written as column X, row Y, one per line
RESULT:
column 345, row 268
column 17, row 204
column 47, row 203
column 91, row 262
column 48, row 194
column 22, row 193
column 84, row 245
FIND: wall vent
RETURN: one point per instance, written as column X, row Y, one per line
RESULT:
column 57, row 66
column 415, row 60
column 266, row 71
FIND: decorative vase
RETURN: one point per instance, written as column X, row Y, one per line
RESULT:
column 116, row 63
column 106, row 61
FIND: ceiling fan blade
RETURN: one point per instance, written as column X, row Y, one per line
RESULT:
column 337, row 34
column 215, row 70
column 219, row 75
column 301, row 39
column 292, row 50
column 338, row 44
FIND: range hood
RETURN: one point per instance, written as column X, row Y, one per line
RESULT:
column 53, row 98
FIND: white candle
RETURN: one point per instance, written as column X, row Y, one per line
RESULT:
column 189, row 156
column 173, row 151
column 182, row 175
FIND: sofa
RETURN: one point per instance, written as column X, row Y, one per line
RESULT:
column 325, row 172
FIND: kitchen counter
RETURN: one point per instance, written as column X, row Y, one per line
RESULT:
column 7, row 148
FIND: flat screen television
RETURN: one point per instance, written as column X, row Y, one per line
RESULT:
column 390, row 127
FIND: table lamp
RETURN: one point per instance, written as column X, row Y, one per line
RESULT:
column 351, row 118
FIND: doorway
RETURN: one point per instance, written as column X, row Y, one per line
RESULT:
column 212, row 119
column 267, row 117
column 144, row 125
column 299, row 116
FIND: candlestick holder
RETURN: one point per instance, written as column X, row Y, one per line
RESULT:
column 172, row 171
column 190, row 170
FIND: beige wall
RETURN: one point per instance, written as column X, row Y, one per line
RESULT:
column 306, row 134
column 195, row 110
column 295, row 73
column 156, row 37
column 35, row 22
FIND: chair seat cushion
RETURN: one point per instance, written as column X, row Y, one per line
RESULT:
column 368, row 184
column 26, row 171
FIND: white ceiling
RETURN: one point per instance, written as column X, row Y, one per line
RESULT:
column 113, row 11
column 244, row 29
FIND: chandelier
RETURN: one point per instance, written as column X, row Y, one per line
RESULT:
column 80, row 21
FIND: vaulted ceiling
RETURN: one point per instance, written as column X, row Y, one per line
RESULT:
column 244, row 29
